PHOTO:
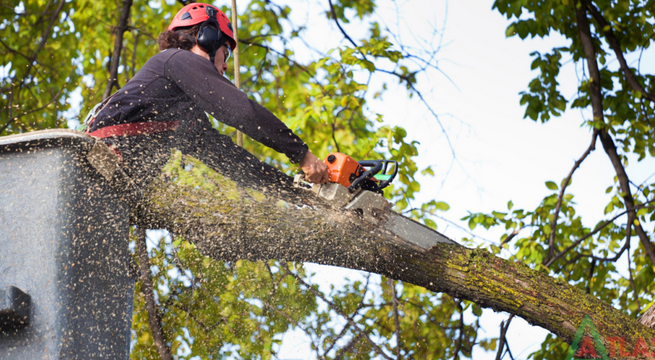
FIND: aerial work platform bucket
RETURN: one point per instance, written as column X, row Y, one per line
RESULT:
column 65, row 288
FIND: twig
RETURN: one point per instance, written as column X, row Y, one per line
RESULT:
column 560, row 197
column 336, row 20
column 400, row 76
column 148, row 292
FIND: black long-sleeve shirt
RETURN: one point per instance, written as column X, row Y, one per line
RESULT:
column 178, row 85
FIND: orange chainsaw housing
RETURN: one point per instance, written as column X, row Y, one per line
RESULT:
column 342, row 169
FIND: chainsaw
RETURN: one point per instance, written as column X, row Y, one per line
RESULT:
column 357, row 186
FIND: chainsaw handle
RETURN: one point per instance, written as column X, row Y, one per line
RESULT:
column 386, row 163
column 376, row 165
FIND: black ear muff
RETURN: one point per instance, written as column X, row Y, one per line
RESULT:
column 210, row 37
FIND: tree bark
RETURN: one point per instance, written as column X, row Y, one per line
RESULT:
column 118, row 46
column 606, row 28
column 228, row 225
column 605, row 138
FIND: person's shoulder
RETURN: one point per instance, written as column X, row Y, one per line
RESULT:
column 179, row 55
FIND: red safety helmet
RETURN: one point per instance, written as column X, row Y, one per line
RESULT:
column 196, row 13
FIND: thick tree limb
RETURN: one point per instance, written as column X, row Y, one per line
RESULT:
column 148, row 292
column 597, row 110
column 226, row 225
column 118, row 46
column 614, row 44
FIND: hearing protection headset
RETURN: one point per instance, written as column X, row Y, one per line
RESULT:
column 215, row 31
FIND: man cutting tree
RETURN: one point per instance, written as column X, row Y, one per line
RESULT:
column 164, row 106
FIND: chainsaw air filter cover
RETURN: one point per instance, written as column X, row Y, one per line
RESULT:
column 342, row 169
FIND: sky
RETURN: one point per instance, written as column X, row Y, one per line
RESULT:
column 499, row 156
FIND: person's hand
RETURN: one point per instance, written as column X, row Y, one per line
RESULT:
column 315, row 170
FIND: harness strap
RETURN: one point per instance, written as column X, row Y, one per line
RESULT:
column 141, row 128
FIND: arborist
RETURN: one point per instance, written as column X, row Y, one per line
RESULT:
column 164, row 106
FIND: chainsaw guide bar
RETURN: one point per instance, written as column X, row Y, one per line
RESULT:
column 369, row 205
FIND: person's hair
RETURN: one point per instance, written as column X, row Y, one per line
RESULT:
column 182, row 38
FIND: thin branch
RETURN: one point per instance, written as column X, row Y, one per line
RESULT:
column 460, row 327
column 632, row 283
column 591, row 275
column 134, row 49
column 360, row 306
column 596, row 229
column 502, row 339
column 351, row 344
column 396, row 320
column 560, row 197
column 44, row 37
column 118, row 46
column 375, row 347
column 511, row 236
column 336, row 20
column 400, row 76
column 614, row 44
column 148, row 292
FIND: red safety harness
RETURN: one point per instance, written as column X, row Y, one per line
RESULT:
column 141, row 128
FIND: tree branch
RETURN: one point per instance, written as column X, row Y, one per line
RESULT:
column 118, row 46
column 597, row 110
column 560, row 197
column 596, row 229
column 315, row 233
column 148, row 292
column 502, row 339
column 44, row 38
column 460, row 328
column 606, row 27
column 396, row 321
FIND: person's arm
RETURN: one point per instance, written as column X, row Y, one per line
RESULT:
column 210, row 91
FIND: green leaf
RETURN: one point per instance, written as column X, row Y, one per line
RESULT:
column 551, row 185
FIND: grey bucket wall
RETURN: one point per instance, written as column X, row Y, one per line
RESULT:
column 64, row 242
